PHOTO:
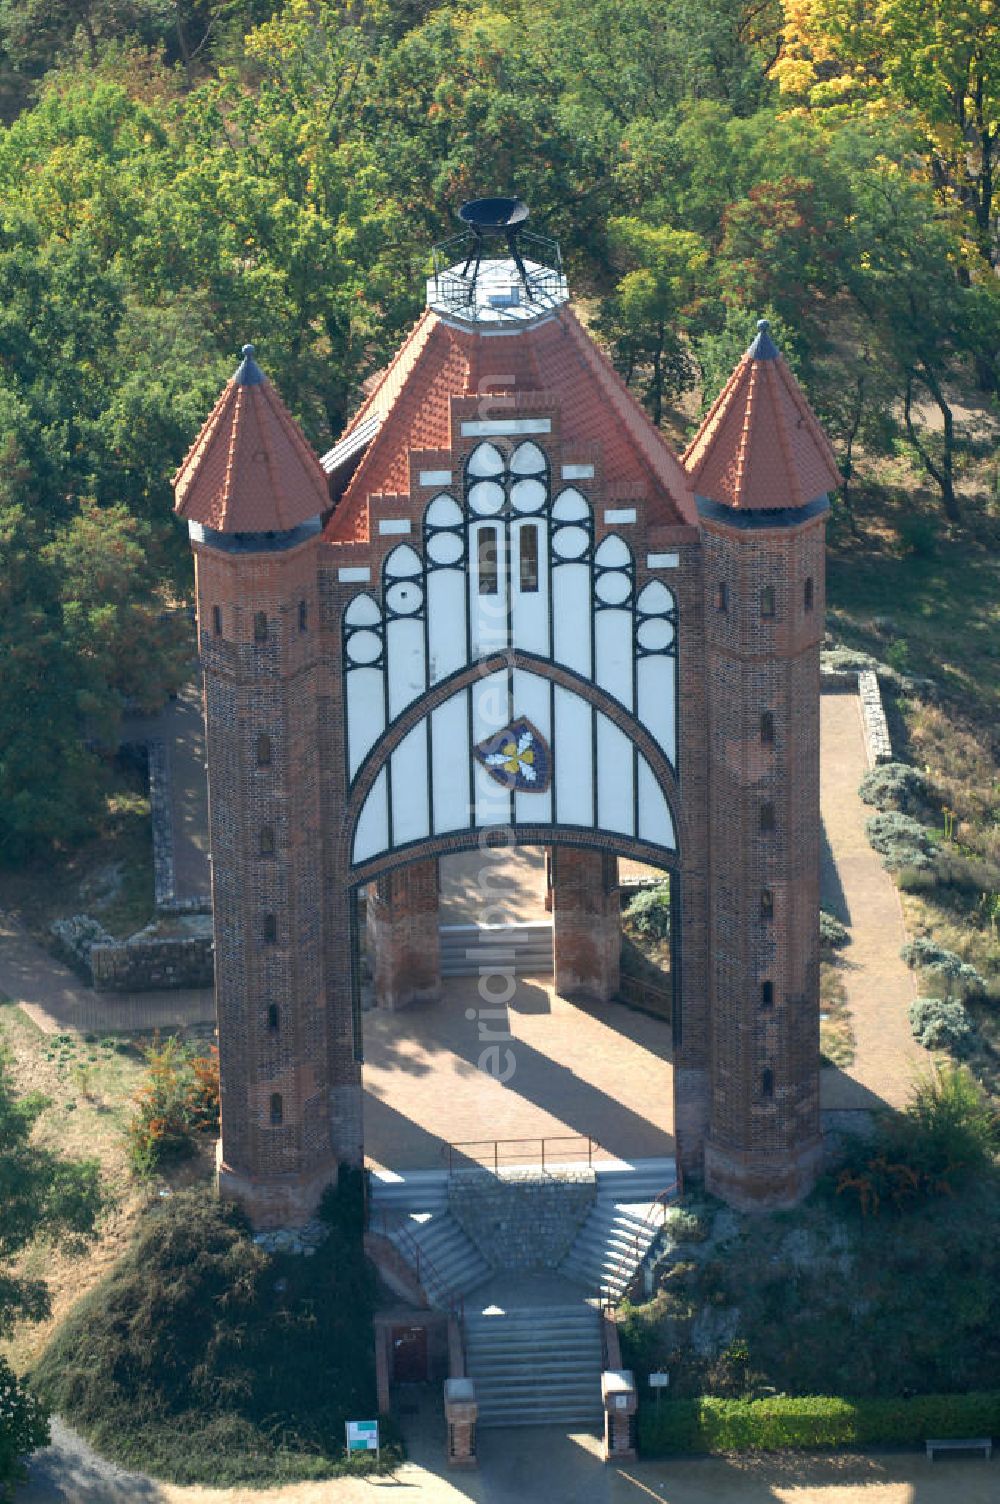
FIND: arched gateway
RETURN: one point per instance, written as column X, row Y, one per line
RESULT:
column 501, row 609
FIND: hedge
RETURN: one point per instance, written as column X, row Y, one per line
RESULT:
column 781, row 1421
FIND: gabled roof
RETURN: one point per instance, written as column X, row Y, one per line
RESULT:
column 250, row 469
column 761, row 446
column 410, row 409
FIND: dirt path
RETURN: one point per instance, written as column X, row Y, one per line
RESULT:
column 859, row 891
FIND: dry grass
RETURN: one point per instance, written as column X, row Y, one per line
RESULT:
column 90, row 1084
column 836, row 1034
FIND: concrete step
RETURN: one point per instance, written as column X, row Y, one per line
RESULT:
column 625, row 1221
column 539, row 1366
column 526, row 948
column 449, row 1264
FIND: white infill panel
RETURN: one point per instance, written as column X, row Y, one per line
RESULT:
column 365, row 714
column 446, row 631
column 410, row 813
column 573, row 759
column 451, row 764
column 571, row 609
column 531, row 607
column 657, row 701
column 613, row 654
column 490, row 714
column 532, row 698
column 615, row 788
column 405, row 653
column 372, row 833
column 655, row 823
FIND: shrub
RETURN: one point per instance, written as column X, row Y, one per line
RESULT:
column 206, row 1360
column 708, row 1424
column 179, row 1101
column 832, row 934
column 23, row 1427
column 900, row 840
column 648, row 914
column 942, row 1024
column 927, row 954
column 685, row 1226
column 894, row 785
column 947, row 1131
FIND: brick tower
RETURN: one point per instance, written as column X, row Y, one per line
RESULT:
column 760, row 468
column 252, row 493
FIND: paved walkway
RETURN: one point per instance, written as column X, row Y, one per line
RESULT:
column 857, row 888
column 55, row 999
column 180, row 726
column 431, row 1075
column 519, row 1467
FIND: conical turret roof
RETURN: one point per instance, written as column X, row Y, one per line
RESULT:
column 761, row 447
column 250, row 470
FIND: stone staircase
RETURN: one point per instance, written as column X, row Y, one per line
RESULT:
column 527, row 948
column 412, row 1211
column 539, row 1366
column 613, row 1242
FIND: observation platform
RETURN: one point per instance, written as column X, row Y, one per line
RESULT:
column 495, row 293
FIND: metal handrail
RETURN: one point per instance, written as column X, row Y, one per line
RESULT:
column 420, row 1262
column 606, row 1298
column 449, row 1151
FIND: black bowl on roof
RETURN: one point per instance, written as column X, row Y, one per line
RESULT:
column 499, row 215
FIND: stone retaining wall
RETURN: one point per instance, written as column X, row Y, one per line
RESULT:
column 876, row 731
column 522, row 1219
column 148, row 964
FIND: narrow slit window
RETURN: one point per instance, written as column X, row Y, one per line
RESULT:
column 267, row 840
column 767, row 816
column 263, row 750
column 489, row 577
column 303, row 616
column 807, row 594
column 529, row 558
column 767, row 903
column 217, row 620
column 272, row 1017
column 722, row 597
column 270, row 929
column 767, row 1084
column 277, row 1110
column 260, row 626
column 767, row 602
column 767, row 729
column 767, row 994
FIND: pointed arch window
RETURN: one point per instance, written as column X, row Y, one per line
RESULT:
column 277, row 1110
column 260, row 626
column 262, row 749
column 767, row 603
column 767, row 1084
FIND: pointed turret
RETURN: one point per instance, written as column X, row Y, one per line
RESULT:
column 760, row 447
column 250, row 470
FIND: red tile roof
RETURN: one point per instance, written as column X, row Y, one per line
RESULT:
column 440, row 361
column 250, row 469
column 760, row 446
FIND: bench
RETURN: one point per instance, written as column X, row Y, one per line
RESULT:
column 982, row 1444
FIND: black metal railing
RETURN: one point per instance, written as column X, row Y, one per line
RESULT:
column 508, row 1153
